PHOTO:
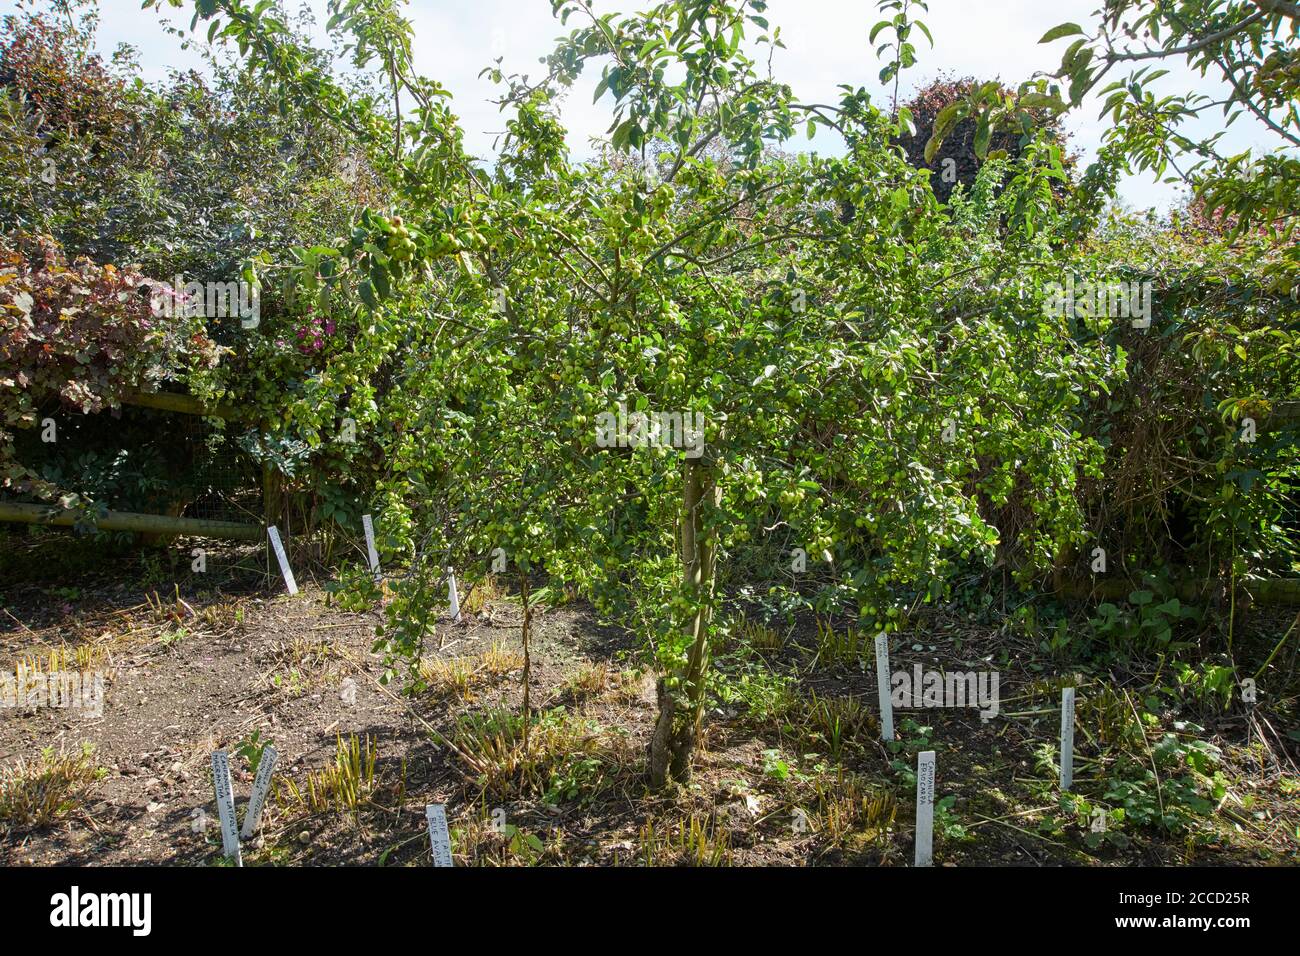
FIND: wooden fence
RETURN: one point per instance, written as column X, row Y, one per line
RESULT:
column 149, row 523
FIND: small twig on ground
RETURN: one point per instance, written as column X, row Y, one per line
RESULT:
column 1011, row 816
column 18, row 622
column 1028, row 833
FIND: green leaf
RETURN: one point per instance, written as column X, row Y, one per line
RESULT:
column 906, row 122
column 367, row 293
column 982, row 133
column 623, row 133
column 1034, row 100
column 1061, row 30
column 943, row 124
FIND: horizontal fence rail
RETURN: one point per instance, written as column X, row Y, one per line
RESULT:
column 130, row 521
column 182, row 404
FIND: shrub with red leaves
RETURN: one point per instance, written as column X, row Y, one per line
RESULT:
column 68, row 88
column 959, row 145
column 82, row 332
column 1193, row 218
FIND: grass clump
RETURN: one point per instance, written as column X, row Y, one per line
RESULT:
column 36, row 793
column 566, row 757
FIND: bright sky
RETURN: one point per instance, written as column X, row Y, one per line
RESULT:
column 826, row 46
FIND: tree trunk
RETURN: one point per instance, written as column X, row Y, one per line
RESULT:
column 681, row 708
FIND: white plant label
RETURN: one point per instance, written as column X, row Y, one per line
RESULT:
column 261, row 787
column 226, row 805
column 439, row 838
column 373, row 555
column 882, row 687
column 452, row 596
column 1067, row 737
column 283, row 558
column 924, row 809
